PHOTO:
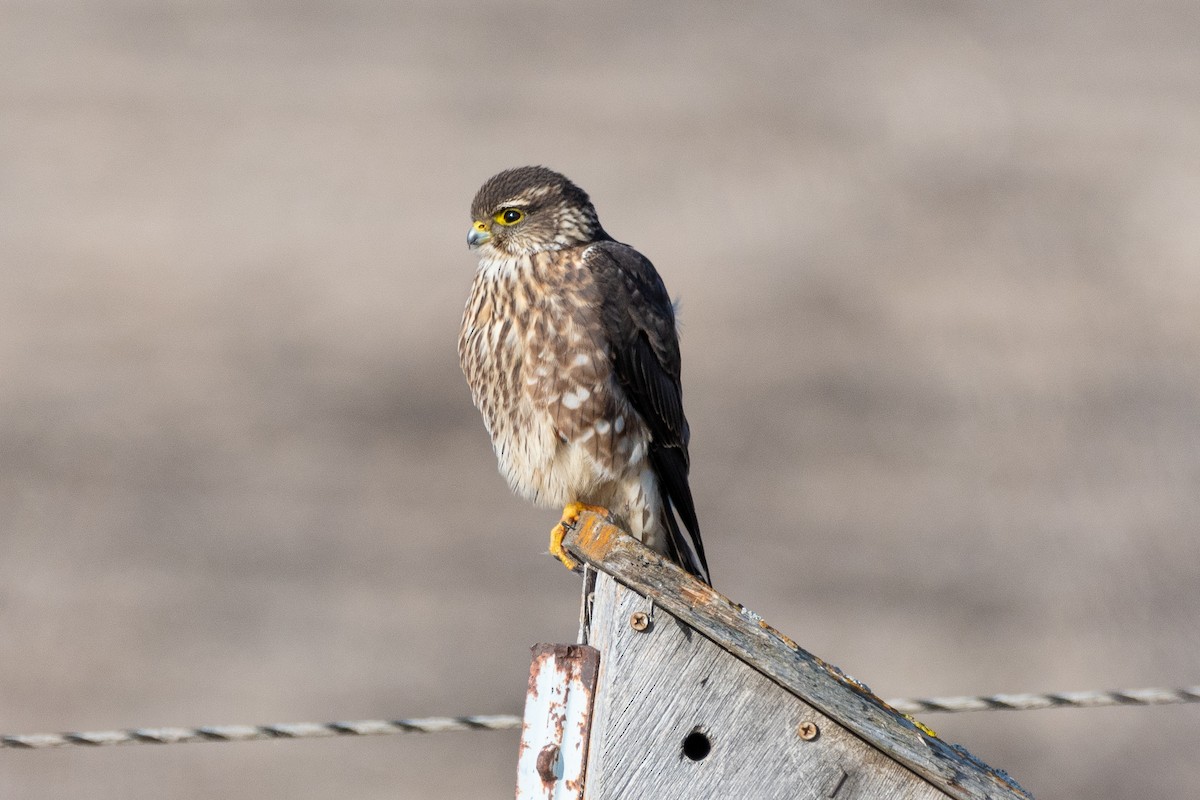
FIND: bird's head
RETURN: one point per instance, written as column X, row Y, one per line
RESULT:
column 529, row 209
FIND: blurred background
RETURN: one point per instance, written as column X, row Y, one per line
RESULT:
column 939, row 267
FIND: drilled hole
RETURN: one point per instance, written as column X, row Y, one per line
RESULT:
column 696, row 745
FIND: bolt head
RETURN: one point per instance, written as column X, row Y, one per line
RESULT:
column 808, row 730
column 639, row 621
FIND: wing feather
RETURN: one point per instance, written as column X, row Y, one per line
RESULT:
column 639, row 322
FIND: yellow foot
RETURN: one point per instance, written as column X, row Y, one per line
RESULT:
column 570, row 516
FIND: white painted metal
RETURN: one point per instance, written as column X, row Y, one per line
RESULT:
column 557, row 725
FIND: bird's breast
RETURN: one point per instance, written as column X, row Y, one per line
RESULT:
column 534, row 352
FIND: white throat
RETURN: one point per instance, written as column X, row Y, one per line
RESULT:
column 496, row 265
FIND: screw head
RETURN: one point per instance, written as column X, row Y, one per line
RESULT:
column 808, row 730
column 639, row 621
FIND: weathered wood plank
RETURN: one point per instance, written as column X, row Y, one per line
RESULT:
column 677, row 717
column 745, row 635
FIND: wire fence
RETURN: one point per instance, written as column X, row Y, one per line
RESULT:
column 251, row 733
column 1034, row 702
column 502, row 722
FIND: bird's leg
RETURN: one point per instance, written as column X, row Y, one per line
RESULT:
column 570, row 516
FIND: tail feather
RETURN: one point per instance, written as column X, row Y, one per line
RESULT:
column 671, row 471
column 678, row 547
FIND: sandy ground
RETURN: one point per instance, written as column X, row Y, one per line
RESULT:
column 940, row 278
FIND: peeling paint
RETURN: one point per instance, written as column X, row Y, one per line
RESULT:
column 552, row 756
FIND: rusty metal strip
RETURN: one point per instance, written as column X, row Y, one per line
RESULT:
column 558, row 714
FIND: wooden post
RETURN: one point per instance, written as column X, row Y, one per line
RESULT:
column 698, row 697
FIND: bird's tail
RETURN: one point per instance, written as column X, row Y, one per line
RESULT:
column 687, row 554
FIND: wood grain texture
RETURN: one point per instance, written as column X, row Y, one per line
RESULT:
column 660, row 686
column 762, row 650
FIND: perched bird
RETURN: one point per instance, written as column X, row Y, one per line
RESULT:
column 569, row 345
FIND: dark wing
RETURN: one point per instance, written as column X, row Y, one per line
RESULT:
column 639, row 322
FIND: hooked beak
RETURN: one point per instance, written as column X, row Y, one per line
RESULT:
column 478, row 235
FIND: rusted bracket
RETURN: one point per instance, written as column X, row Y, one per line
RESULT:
column 558, row 719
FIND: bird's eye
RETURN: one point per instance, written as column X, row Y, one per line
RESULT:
column 509, row 216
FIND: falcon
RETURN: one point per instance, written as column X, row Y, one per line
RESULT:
column 569, row 345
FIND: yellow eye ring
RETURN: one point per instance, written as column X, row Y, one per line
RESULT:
column 509, row 216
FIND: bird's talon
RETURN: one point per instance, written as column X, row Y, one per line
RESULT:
column 556, row 547
column 570, row 518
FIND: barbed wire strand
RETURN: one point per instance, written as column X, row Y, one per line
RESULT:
column 503, row 722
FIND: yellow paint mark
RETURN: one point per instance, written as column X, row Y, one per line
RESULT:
column 596, row 536
column 922, row 727
column 570, row 521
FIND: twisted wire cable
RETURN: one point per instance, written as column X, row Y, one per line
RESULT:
column 1033, row 702
column 249, row 733
column 504, row 722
